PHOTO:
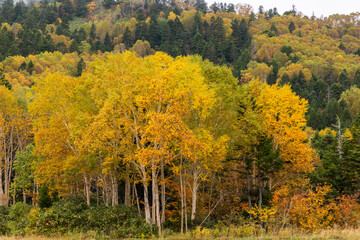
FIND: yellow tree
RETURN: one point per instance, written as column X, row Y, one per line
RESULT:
column 14, row 136
column 283, row 118
column 56, row 111
column 145, row 106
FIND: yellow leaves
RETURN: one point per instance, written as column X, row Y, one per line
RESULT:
column 259, row 70
column 171, row 16
column 311, row 211
column 263, row 214
column 5, row 27
column 326, row 131
column 142, row 48
column 294, row 69
column 267, row 51
column 282, row 115
column 352, row 98
column 122, row 109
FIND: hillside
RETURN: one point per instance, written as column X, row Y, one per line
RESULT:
column 201, row 120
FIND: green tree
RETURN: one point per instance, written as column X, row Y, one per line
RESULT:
column 344, row 79
column 356, row 80
column 273, row 74
column 200, row 5
column 92, row 33
column 291, row 27
column 107, row 43
column 127, row 38
column 80, row 67
column 23, row 168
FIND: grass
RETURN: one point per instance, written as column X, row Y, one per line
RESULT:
column 287, row 234
column 291, row 234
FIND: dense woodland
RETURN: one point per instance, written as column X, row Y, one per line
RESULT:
column 141, row 118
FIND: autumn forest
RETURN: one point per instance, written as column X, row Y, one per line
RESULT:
column 177, row 119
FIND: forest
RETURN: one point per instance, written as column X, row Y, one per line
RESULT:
column 177, row 119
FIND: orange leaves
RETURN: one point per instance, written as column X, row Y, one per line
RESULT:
column 311, row 211
column 91, row 7
column 347, row 211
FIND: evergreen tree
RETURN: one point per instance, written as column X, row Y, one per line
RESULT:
column 344, row 79
column 30, row 67
column 197, row 26
column 356, row 81
column 80, row 67
column 336, row 90
column 287, row 50
column 154, row 33
column 241, row 63
column 291, row 27
column 73, row 46
column 210, row 51
column 92, row 33
column 81, row 8
column 267, row 161
column 107, row 43
column 127, row 38
column 197, row 43
column 285, row 79
column 274, row 29
column 141, row 31
column 342, row 46
column 332, row 170
column 200, row 5
column 273, row 74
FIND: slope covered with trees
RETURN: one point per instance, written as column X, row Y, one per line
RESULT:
column 195, row 118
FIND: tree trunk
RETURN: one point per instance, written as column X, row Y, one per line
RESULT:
column 185, row 203
column 194, row 196
column 163, row 196
column 14, row 195
column 97, row 191
column 114, row 190
column 146, row 196
column 182, row 198
column 157, row 207
column 249, row 188
column 260, row 199
column 260, row 192
column 127, row 201
column 137, row 199
column 3, row 200
column 153, row 182
column 87, row 189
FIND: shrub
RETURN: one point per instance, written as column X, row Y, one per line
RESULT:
column 4, row 213
column 73, row 215
column 17, row 218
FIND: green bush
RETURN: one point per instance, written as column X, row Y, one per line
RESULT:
column 4, row 213
column 17, row 218
column 73, row 215
column 64, row 216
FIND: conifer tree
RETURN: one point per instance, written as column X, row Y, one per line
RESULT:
column 127, row 38
column 292, row 27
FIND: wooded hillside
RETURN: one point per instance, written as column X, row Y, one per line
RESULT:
column 191, row 116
